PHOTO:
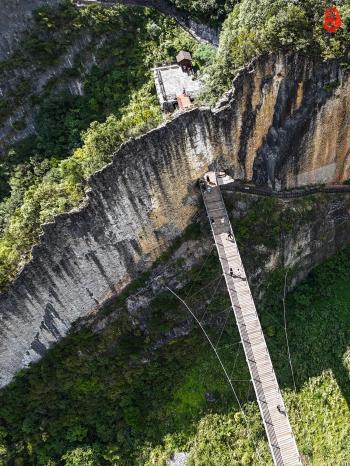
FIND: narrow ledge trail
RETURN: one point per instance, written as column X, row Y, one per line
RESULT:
column 202, row 32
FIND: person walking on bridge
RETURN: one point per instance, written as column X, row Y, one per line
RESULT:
column 280, row 409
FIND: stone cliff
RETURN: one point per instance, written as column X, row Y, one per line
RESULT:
column 15, row 17
column 299, row 235
column 37, row 80
column 23, row 83
column 285, row 123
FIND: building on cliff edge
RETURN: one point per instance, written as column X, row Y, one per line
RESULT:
column 176, row 84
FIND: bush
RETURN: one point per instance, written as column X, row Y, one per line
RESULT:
column 119, row 102
column 82, row 456
column 62, row 187
column 259, row 26
column 208, row 11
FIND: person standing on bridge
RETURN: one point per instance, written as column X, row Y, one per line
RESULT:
column 230, row 235
column 231, row 271
column 281, row 410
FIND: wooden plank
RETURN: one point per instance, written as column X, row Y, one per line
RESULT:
column 278, row 430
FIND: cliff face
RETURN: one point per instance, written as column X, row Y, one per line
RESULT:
column 15, row 17
column 306, row 232
column 272, row 128
column 39, row 79
column 291, row 124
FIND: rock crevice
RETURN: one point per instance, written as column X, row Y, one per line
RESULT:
column 271, row 128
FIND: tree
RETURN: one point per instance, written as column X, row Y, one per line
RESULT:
column 82, row 456
column 3, row 448
column 260, row 26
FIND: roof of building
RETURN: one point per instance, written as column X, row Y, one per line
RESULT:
column 171, row 81
column 183, row 55
column 183, row 101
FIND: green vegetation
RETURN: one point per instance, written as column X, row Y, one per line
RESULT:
column 46, row 174
column 208, row 11
column 277, row 217
column 270, row 213
column 261, row 26
column 331, row 86
column 41, row 48
column 77, row 135
column 109, row 398
column 51, row 35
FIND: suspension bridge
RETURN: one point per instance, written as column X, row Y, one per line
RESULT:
column 273, row 411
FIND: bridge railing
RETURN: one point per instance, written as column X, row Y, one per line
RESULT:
column 261, row 191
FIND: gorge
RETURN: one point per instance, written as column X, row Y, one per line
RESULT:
column 114, row 250
column 285, row 123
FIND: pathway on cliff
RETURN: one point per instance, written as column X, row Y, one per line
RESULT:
column 273, row 412
column 201, row 32
column 296, row 193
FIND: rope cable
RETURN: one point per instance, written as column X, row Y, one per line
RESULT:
column 201, row 269
column 216, row 289
column 223, row 368
column 229, row 345
column 235, row 363
column 201, row 289
column 249, row 388
column 285, row 330
column 223, row 328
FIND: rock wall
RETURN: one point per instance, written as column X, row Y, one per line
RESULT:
column 266, row 130
column 82, row 51
column 292, row 122
column 319, row 229
column 16, row 15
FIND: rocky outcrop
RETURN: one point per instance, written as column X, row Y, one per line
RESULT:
column 81, row 53
column 272, row 128
column 16, row 16
column 292, row 122
column 315, row 228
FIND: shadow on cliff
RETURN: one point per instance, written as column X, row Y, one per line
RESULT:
column 90, row 386
column 284, row 145
column 318, row 327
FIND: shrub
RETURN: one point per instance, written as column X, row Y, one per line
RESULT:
column 259, row 26
column 62, row 187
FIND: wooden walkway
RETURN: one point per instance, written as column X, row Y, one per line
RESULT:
column 278, row 430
